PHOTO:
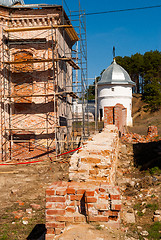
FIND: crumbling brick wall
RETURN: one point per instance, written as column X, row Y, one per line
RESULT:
column 97, row 160
column 91, row 194
column 74, row 202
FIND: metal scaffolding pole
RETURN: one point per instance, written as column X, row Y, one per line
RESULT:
column 27, row 80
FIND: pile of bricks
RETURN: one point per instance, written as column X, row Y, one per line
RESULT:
column 73, row 202
column 152, row 131
column 152, row 136
column 91, row 194
column 97, row 160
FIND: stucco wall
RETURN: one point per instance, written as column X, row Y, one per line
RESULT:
column 110, row 95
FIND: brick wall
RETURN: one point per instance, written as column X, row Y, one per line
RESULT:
column 120, row 114
column 108, row 115
column 91, row 194
column 115, row 115
column 97, row 160
column 74, row 202
column 35, row 116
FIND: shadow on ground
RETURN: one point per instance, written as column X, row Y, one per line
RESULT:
column 147, row 155
column 38, row 232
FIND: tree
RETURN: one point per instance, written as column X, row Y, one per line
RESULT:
column 90, row 93
column 152, row 90
column 145, row 71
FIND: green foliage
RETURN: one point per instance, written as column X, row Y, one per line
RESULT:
column 140, row 214
column 145, row 71
column 98, row 227
column 137, row 206
column 148, row 68
column 153, row 196
column 153, row 206
column 155, row 170
column 155, row 231
column 152, row 91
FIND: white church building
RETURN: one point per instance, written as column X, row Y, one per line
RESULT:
column 115, row 89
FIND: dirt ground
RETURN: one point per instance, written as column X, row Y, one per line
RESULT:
column 22, row 186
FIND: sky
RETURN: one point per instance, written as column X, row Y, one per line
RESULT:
column 130, row 32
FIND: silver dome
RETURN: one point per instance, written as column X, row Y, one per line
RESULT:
column 115, row 74
column 9, row 3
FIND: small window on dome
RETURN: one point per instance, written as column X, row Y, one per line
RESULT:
column 112, row 89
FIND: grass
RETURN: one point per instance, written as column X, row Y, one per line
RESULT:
column 154, row 231
column 137, row 206
column 140, row 214
column 153, row 206
column 155, row 171
column 18, row 230
column 98, row 227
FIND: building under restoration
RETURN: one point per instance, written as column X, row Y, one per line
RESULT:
column 36, row 80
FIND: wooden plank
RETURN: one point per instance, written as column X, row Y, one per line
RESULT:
column 69, row 60
column 44, row 95
column 28, row 61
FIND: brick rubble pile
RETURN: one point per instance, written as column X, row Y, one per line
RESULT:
column 152, row 135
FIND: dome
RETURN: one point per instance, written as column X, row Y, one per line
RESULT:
column 9, row 3
column 115, row 74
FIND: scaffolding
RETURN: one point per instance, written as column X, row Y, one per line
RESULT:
column 80, row 82
column 38, row 88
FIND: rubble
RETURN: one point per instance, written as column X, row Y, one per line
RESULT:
column 157, row 216
column 152, row 136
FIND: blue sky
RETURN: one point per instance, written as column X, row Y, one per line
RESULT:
column 130, row 32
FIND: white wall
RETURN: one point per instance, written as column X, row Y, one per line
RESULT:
column 110, row 95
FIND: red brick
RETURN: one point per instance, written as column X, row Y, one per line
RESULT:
column 60, row 205
column 115, row 197
column 55, row 225
column 116, row 207
column 79, row 219
column 90, row 193
column 70, row 209
column 97, row 190
column 64, row 219
column 102, row 206
column 55, row 199
column 49, row 205
column 107, row 197
column 102, row 190
column 76, row 197
column 90, row 205
column 61, row 192
column 50, row 218
column 55, row 212
column 50, row 231
column 49, row 236
column 91, row 199
column 72, row 203
column 81, row 191
column 98, row 219
column 50, row 192
column 70, row 191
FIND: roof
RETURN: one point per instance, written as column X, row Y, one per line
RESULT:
column 9, row 3
column 115, row 74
